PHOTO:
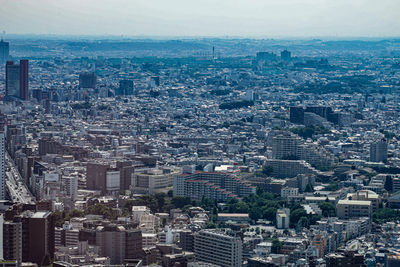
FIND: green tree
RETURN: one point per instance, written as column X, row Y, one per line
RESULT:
column 179, row 202
column 276, row 246
column 267, row 170
column 328, row 209
column 270, row 213
column 309, row 188
column 385, row 215
column 160, row 198
column 296, row 215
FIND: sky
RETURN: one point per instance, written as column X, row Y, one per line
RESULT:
column 214, row 18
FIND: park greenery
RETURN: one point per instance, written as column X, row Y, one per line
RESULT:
column 261, row 205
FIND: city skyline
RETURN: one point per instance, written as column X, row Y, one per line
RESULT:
column 176, row 18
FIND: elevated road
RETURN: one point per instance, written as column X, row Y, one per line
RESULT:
column 16, row 186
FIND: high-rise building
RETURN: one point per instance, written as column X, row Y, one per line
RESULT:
column 96, row 176
column 2, row 167
column 218, row 248
column 4, row 51
column 24, row 79
column 125, row 88
column 87, row 80
column 133, row 246
column 34, row 231
column 288, row 146
column 126, row 169
column 12, row 241
column 378, row 151
column 12, row 79
column 17, row 79
column 186, row 240
column 112, row 241
column 286, row 55
column 71, row 186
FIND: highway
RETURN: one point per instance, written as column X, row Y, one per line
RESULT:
column 16, row 186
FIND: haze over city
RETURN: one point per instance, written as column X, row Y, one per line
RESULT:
column 201, row 133
column 244, row 18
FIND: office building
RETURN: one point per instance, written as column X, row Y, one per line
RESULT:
column 70, row 186
column 218, row 248
column 353, row 208
column 366, row 195
column 379, row 151
column 24, row 79
column 66, row 236
column 152, row 181
column 4, row 51
column 112, row 181
column 33, row 230
column 12, row 241
column 186, row 240
column 96, row 177
column 112, row 240
column 17, row 79
column 133, row 246
column 12, row 79
column 126, row 170
column 87, row 80
column 125, row 88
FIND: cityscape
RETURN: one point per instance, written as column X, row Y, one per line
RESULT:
column 199, row 151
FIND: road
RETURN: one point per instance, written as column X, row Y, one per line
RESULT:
column 17, row 188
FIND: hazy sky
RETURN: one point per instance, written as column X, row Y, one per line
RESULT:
column 253, row 18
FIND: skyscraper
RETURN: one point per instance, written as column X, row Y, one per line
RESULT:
column 87, row 80
column 17, row 79
column 24, row 79
column 4, row 51
column 125, row 88
column 12, row 79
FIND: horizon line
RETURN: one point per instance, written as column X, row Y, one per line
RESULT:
column 170, row 37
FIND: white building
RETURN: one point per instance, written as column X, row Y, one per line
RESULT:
column 71, row 186
column 138, row 211
column 113, row 181
column 218, row 248
column 282, row 218
column 2, row 168
column 1, row 238
column 289, row 191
